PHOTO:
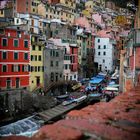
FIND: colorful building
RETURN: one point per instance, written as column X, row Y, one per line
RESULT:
column 131, row 56
column 14, row 59
column 63, row 10
column 30, row 6
column 36, row 62
column 74, row 61
column 105, row 51
column 53, row 63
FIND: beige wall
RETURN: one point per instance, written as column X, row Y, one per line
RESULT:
column 42, row 10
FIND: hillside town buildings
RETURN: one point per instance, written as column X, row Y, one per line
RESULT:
column 87, row 40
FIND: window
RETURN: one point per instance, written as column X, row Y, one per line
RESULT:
column 15, row 55
column 39, row 48
column 66, row 66
column 99, row 53
column 35, row 68
column 33, row 47
column 57, row 63
column 22, row 68
column 51, row 53
column 39, row 58
column 4, row 55
column 32, row 57
column 26, row 56
column 17, row 20
column 99, row 47
column 15, row 68
column 42, row 68
column 18, row 68
column 1, row 11
column 104, row 46
column 51, row 63
column 32, row 68
column 52, row 76
column 12, row 68
column 4, row 42
column 35, row 57
column 4, row 68
column 98, row 40
column 65, row 50
column 25, row 43
column 104, row 53
column 8, row 83
column 103, row 61
column 39, row 69
column 57, row 54
column 25, row 68
column 15, row 43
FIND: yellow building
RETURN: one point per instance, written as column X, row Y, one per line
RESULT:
column 34, row 7
column 36, row 63
column 89, row 5
column 64, row 10
column 79, row 44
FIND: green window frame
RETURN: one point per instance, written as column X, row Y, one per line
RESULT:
column 15, row 55
column 15, row 43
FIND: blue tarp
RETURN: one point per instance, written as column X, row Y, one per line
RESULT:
column 96, row 80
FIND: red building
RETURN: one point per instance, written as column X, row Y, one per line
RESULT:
column 74, row 58
column 14, row 59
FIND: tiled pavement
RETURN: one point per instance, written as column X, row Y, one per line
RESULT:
column 118, row 119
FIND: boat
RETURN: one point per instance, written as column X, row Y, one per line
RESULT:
column 80, row 99
column 95, row 97
column 68, row 102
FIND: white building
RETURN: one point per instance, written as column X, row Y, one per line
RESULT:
column 105, row 53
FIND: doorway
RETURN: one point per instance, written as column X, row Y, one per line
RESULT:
column 17, row 83
column 8, row 83
column 37, row 81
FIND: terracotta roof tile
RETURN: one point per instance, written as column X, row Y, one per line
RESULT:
column 116, row 120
